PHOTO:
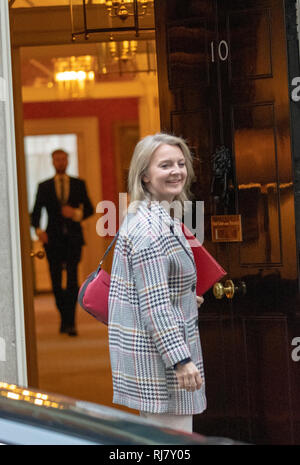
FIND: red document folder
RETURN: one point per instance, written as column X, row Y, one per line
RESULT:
column 208, row 269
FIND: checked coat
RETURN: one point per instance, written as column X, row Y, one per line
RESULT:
column 153, row 314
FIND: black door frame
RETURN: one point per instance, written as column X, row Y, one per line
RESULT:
column 292, row 42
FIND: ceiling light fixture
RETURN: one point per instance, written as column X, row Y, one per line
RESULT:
column 85, row 14
column 125, row 8
column 73, row 74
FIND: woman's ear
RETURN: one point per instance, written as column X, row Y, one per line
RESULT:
column 145, row 178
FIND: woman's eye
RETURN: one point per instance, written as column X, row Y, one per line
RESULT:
column 181, row 165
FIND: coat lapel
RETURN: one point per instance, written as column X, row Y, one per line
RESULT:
column 183, row 240
column 166, row 224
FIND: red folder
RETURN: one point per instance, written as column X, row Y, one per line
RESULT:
column 208, row 269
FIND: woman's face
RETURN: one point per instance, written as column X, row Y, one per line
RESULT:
column 166, row 173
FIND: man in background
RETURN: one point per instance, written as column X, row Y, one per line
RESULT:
column 67, row 204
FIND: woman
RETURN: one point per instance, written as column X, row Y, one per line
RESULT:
column 155, row 350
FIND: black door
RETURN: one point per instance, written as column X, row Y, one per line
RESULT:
column 223, row 82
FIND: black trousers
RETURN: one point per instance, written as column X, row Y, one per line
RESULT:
column 64, row 256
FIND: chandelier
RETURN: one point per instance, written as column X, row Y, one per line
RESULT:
column 74, row 74
column 102, row 16
column 124, row 50
column 124, row 8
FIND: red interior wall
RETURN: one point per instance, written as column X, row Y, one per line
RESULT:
column 108, row 111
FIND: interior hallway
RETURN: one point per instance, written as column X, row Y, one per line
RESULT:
column 79, row 366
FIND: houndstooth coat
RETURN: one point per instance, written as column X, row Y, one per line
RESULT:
column 153, row 314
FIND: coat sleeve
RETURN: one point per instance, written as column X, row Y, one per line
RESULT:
column 88, row 208
column 150, row 268
column 38, row 205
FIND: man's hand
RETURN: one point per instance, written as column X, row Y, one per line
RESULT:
column 43, row 237
column 67, row 211
column 188, row 377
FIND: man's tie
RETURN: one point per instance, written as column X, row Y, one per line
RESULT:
column 62, row 191
column 63, row 201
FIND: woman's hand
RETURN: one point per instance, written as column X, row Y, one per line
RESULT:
column 200, row 300
column 188, row 377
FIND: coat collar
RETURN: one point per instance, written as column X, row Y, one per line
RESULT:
column 156, row 214
column 160, row 218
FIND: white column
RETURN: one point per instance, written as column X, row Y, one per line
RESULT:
column 12, row 334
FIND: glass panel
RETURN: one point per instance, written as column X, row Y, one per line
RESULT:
column 58, row 68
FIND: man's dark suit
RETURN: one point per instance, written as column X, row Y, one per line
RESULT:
column 65, row 240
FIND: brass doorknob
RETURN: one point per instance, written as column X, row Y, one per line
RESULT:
column 229, row 289
column 39, row 253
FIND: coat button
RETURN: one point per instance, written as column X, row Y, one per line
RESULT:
column 193, row 287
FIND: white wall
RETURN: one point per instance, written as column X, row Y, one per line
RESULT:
column 12, row 334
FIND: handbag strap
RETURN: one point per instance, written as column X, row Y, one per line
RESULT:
column 109, row 247
column 108, row 250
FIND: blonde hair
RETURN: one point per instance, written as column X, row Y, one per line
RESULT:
column 141, row 159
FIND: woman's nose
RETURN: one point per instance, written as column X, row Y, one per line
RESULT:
column 175, row 169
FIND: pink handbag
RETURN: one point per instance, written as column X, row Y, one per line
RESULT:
column 93, row 293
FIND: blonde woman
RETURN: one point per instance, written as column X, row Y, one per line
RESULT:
column 155, row 349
